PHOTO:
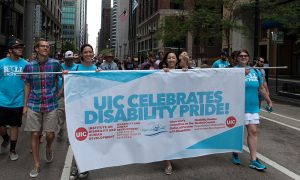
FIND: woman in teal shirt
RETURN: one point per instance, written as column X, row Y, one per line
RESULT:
column 253, row 83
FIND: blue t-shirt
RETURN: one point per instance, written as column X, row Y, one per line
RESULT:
column 81, row 67
column 63, row 65
column 252, row 82
column 65, row 68
column 220, row 64
column 11, row 86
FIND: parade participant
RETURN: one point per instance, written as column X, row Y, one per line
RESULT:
column 151, row 61
column 108, row 63
column 87, row 53
column 170, row 60
column 222, row 62
column 260, row 63
column 184, row 62
column 11, row 96
column 67, row 65
column 40, row 102
column 253, row 83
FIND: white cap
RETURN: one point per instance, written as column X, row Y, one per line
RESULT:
column 69, row 54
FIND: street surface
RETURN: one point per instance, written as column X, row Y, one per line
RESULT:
column 278, row 148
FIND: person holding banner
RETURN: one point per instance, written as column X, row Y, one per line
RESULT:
column 87, row 54
column 254, row 82
column 11, row 96
column 41, row 102
column 170, row 61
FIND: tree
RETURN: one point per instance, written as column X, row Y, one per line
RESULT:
column 68, row 46
column 285, row 13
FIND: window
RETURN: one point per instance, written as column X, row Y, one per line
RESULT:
column 176, row 4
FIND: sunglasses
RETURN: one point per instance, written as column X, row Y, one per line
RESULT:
column 243, row 56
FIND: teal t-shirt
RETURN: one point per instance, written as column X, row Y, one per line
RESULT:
column 11, row 86
column 252, row 82
column 63, row 65
column 85, row 68
column 220, row 64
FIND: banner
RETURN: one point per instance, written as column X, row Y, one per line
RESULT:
column 123, row 117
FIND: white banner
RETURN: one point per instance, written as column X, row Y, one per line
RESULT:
column 123, row 117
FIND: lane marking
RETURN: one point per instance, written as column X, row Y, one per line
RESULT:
column 274, row 164
column 286, row 125
column 68, row 164
column 298, row 120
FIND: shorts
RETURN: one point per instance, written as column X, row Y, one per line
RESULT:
column 39, row 121
column 11, row 116
column 251, row 118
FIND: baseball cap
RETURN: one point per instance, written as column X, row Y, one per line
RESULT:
column 15, row 43
column 69, row 54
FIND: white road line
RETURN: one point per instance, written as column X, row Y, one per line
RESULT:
column 68, row 164
column 286, row 125
column 274, row 164
column 298, row 120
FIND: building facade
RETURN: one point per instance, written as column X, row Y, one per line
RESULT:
column 82, row 31
column 42, row 20
column 11, row 22
column 122, row 44
column 104, row 36
column 68, row 22
column 149, row 17
column 113, row 31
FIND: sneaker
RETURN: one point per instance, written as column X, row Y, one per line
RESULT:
column 235, row 159
column 4, row 146
column 255, row 164
column 168, row 170
column 74, row 173
column 13, row 155
column 34, row 172
column 49, row 156
column 83, row 175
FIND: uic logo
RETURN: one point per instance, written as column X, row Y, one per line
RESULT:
column 230, row 121
column 81, row 134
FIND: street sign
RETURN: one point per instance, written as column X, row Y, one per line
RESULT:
column 278, row 37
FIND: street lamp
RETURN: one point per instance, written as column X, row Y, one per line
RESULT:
column 46, row 28
column 138, row 37
column 151, row 32
column 125, row 44
column 56, row 33
column 120, row 50
column 62, row 43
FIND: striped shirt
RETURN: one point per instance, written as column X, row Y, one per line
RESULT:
column 42, row 96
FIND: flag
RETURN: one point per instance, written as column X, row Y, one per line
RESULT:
column 134, row 4
column 123, row 16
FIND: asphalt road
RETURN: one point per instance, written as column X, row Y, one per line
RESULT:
column 278, row 148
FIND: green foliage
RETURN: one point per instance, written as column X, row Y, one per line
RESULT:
column 68, row 46
column 286, row 14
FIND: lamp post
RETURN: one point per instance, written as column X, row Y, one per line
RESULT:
column 151, row 32
column 62, row 44
column 46, row 28
column 125, row 45
column 138, row 37
column 56, row 33
column 120, row 50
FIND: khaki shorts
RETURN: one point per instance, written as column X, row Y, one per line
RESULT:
column 38, row 121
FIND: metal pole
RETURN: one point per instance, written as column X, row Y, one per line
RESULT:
column 276, row 69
